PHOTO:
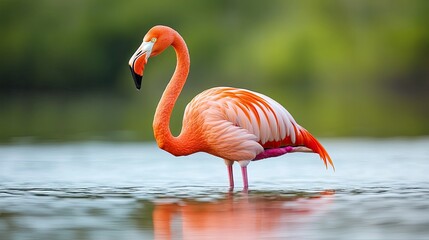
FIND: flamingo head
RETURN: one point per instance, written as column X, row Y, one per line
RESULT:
column 154, row 42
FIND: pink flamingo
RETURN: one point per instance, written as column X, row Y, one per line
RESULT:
column 231, row 123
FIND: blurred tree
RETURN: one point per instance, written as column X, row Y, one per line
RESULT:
column 341, row 67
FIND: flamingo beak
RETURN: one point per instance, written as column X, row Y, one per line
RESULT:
column 138, row 61
column 137, row 78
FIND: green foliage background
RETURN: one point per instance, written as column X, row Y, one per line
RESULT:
column 342, row 68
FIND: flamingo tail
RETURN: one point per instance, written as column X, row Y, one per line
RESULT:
column 311, row 142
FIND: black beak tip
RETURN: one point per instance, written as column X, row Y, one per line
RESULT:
column 137, row 79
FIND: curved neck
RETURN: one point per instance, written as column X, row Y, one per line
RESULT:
column 161, row 122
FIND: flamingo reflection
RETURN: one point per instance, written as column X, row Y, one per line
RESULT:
column 248, row 216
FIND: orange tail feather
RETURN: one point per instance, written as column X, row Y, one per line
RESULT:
column 305, row 138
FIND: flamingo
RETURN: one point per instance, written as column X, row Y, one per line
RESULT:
column 237, row 125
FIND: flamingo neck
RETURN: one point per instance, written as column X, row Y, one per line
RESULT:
column 161, row 125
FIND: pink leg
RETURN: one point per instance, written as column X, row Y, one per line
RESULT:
column 245, row 180
column 243, row 165
column 231, row 176
column 229, row 164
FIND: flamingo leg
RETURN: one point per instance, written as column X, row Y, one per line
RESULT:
column 243, row 165
column 230, row 176
column 245, row 180
column 229, row 164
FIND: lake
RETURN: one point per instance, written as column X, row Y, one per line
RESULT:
column 109, row 190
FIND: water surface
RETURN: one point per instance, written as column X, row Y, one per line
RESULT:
column 101, row 190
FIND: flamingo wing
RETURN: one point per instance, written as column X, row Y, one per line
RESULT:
column 239, row 124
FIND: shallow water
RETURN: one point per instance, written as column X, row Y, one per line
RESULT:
column 98, row 190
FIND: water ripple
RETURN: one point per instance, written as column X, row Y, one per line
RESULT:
column 52, row 192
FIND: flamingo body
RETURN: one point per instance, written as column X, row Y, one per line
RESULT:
column 231, row 123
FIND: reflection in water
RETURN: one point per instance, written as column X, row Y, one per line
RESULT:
column 107, row 191
column 243, row 216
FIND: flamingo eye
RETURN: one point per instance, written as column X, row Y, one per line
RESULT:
column 153, row 40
